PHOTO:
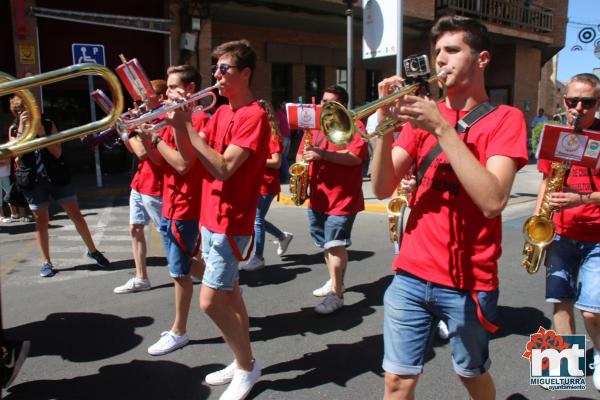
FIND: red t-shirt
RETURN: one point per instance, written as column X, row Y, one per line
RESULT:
column 270, row 182
column 336, row 189
column 448, row 240
column 230, row 206
column 148, row 178
column 581, row 222
column 181, row 193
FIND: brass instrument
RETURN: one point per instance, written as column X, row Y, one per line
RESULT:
column 339, row 124
column 538, row 230
column 29, row 142
column 299, row 179
column 33, row 112
column 394, row 210
column 127, row 122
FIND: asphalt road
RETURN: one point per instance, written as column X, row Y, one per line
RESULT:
column 88, row 343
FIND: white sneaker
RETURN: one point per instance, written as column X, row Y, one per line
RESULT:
column 253, row 264
column 133, row 285
column 241, row 383
column 596, row 367
column 221, row 376
column 167, row 343
column 325, row 289
column 330, row 304
column 282, row 245
column 443, row 330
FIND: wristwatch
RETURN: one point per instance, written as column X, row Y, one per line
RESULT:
column 156, row 140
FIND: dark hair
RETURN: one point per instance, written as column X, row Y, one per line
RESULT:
column 340, row 92
column 588, row 78
column 476, row 34
column 187, row 74
column 241, row 50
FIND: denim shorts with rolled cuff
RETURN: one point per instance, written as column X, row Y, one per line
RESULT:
column 330, row 230
column 144, row 208
column 178, row 259
column 412, row 307
column 221, row 269
column 573, row 273
column 39, row 195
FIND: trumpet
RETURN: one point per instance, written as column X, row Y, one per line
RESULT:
column 125, row 124
column 28, row 142
column 339, row 124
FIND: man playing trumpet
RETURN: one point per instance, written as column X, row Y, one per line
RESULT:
column 447, row 264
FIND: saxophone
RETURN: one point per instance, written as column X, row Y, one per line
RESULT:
column 299, row 175
column 539, row 230
column 394, row 210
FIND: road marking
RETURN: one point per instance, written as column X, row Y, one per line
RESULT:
column 11, row 264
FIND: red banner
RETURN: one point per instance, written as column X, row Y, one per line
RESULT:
column 135, row 80
column 303, row 116
column 560, row 143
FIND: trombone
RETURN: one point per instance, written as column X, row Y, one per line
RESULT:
column 29, row 142
column 339, row 124
column 33, row 112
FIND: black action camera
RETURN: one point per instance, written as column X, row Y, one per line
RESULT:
column 416, row 70
column 416, row 66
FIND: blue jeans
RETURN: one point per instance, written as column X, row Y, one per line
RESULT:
column 330, row 230
column 178, row 259
column 261, row 224
column 412, row 306
column 221, row 270
column 573, row 273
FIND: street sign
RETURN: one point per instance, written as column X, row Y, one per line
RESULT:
column 88, row 53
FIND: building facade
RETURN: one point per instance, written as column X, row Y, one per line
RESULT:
column 301, row 46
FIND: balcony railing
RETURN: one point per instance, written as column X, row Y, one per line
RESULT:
column 513, row 13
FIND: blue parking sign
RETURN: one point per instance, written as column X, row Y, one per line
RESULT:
column 88, row 53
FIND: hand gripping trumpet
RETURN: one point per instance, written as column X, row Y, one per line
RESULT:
column 28, row 141
column 339, row 124
column 299, row 179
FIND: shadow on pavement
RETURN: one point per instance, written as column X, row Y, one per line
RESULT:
column 522, row 321
column 115, row 265
column 337, row 364
column 134, row 380
column 22, row 227
column 80, row 337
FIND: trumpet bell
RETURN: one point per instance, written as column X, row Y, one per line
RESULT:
column 338, row 122
column 538, row 230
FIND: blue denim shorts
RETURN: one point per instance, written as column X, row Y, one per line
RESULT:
column 144, row 208
column 39, row 195
column 221, row 270
column 330, row 230
column 179, row 260
column 573, row 273
column 411, row 308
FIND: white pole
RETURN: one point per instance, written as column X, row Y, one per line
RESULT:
column 399, row 41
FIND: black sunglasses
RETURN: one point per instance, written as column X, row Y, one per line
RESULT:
column 223, row 68
column 586, row 102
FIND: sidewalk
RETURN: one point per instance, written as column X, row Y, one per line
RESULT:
column 524, row 190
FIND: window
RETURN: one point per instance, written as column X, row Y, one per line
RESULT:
column 314, row 83
column 341, row 77
column 373, row 78
column 281, row 83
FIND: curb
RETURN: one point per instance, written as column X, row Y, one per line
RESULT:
column 371, row 207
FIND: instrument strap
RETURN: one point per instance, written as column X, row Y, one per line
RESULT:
column 487, row 325
column 236, row 251
column 462, row 126
column 181, row 243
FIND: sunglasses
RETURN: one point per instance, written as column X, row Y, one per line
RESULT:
column 586, row 102
column 223, row 68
